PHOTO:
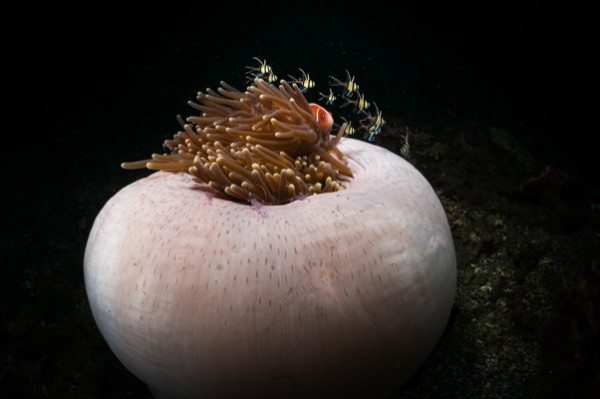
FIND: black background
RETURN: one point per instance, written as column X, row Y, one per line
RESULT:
column 107, row 78
column 90, row 86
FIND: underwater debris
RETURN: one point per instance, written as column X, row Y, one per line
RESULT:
column 549, row 182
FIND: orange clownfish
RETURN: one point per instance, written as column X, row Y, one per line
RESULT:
column 323, row 117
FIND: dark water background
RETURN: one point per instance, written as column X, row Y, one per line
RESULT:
column 104, row 76
column 92, row 88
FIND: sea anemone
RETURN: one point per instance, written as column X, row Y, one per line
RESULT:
column 202, row 288
column 263, row 144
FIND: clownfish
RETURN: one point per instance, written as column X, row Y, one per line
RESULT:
column 323, row 117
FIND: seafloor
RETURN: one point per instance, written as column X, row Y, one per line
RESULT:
column 526, row 319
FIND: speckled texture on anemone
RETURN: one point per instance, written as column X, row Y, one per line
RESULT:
column 341, row 294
